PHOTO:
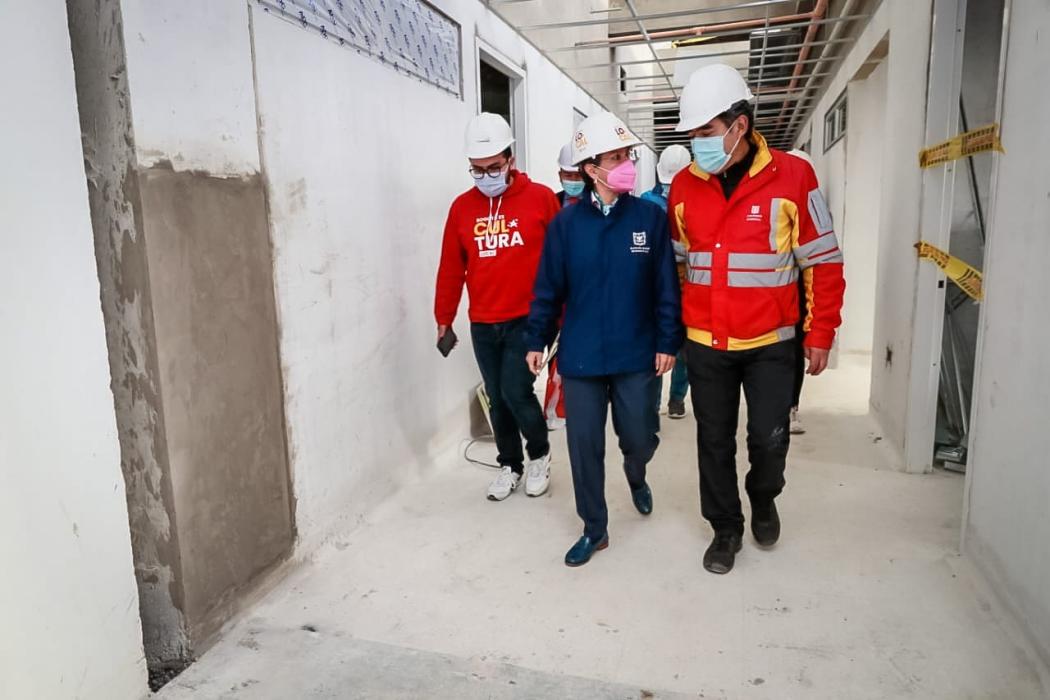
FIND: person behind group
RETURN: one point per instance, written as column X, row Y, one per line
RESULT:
column 492, row 242
column 795, row 423
column 751, row 217
column 673, row 160
column 609, row 263
column 571, row 188
column 572, row 184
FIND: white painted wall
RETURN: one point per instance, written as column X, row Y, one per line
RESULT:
column 361, row 164
column 859, row 230
column 850, row 173
column 1008, row 521
column 68, row 601
column 358, row 202
column 907, row 22
column 189, row 75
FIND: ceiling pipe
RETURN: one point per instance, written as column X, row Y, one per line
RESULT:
column 649, row 42
column 819, row 10
column 838, row 29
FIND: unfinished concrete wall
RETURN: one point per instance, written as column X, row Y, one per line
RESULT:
column 211, row 274
column 184, row 258
column 69, row 609
column 1008, row 520
column 105, row 121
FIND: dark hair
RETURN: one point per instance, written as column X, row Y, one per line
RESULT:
column 587, row 179
column 507, row 153
column 743, row 107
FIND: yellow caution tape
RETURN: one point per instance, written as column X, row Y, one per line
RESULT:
column 966, row 277
column 985, row 138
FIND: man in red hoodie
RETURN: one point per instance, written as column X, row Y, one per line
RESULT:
column 493, row 240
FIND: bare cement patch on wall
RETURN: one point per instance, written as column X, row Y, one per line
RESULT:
column 216, row 328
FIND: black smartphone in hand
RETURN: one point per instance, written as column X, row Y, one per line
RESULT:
column 447, row 342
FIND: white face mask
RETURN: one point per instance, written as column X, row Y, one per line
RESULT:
column 493, row 185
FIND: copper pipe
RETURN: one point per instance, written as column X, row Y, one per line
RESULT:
column 819, row 10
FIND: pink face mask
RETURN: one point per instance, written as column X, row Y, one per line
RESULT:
column 621, row 178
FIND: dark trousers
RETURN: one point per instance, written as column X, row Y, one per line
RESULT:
column 514, row 409
column 587, row 401
column 767, row 376
column 800, row 336
column 800, row 368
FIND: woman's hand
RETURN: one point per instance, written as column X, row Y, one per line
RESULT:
column 664, row 364
column 535, row 361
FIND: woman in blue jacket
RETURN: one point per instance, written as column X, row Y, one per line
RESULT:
column 608, row 261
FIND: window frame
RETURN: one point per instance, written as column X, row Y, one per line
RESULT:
column 836, row 121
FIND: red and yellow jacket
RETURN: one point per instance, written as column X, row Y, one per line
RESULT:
column 745, row 255
column 494, row 246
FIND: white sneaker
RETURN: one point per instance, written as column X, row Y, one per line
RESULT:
column 504, row 485
column 796, row 425
column 538, row 476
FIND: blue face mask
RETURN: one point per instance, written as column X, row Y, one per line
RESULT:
column 573, row 188
column 492, row 185
column 709, row 152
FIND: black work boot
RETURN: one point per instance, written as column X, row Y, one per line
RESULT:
column 720, row 556
column 765, row 523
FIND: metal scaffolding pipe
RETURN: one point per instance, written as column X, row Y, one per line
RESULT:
column 608, row 45
column 786, row 50
column 658, row 15
column 649, row 41
column 811, row 33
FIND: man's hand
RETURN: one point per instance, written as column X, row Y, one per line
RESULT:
column 441, row 331
column 818, row 360
column 535, row 361
column 664, row 364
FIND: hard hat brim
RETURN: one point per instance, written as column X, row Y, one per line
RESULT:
column 477, row 153
column 635, row 141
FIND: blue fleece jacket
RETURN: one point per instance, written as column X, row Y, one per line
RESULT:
column 657, row 195
column 615, row 277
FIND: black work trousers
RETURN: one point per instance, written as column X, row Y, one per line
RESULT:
column 767, row 375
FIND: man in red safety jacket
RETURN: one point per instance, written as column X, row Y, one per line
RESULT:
column 753, row 220
column 492, row 243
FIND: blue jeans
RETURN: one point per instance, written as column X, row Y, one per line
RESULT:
column 514, row 409
column 679, row 382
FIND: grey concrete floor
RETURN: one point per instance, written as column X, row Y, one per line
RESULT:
column 442, row 594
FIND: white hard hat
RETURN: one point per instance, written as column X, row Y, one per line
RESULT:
column 487, row 135
column 602, row 133
column 672, row 160
column 710, row 91
column 565, row 159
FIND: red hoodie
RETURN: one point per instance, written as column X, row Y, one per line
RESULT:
column 494, row 245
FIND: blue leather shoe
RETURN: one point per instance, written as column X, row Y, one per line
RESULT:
column 643, row 499
column 584, row 549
